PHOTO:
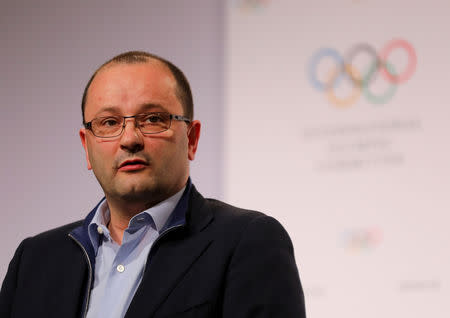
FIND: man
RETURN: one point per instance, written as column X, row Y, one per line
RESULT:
column 153, row 247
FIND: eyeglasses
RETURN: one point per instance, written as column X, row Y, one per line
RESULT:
column 148, row 123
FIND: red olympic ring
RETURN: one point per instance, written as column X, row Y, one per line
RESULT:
column 412, row 60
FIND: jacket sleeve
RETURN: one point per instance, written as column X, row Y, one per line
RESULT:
column 263, row 279
column 7, row 293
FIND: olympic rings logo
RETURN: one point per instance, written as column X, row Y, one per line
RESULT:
column 361, row 80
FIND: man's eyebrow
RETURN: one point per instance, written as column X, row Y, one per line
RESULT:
column 142, row 108
column 110, row 109
column 152, row 106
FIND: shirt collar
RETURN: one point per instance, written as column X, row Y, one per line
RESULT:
column 156, row 216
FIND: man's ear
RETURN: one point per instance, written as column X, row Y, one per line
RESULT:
column 84, row 143
column 193, row 137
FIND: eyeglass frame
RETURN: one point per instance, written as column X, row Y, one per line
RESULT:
column 88, row 125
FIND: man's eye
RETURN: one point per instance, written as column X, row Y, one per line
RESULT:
column 153, row 119
column 110, row 122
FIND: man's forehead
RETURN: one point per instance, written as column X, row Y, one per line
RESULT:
column 150, row 65
column 150, row 82
column 149, row 76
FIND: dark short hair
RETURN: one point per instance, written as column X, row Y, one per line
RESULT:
column 182, row 91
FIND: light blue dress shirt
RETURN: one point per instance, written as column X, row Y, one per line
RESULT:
column 119, row 268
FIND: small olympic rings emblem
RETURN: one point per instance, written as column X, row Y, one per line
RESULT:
column 361, row 80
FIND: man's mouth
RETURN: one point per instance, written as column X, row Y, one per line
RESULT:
column 132, row 165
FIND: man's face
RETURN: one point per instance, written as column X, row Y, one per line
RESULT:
column 134, row 166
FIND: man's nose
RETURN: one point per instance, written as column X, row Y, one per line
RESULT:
column 132, row 139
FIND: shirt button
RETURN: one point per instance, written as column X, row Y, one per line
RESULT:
column 99, row 230
column 120, row 268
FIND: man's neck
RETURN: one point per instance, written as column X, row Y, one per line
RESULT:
column 121, row 211
column 121, row 214
column 117, row 226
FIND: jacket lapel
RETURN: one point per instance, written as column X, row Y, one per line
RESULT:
column 171, row 258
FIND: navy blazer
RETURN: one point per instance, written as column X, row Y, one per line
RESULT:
column 223, row 262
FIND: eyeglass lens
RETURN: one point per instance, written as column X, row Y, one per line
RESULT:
column 112, row 126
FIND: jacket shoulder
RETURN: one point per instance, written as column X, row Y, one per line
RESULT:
column 238, row 220
column 239, row 224
column 224, row 211
column 53, row 235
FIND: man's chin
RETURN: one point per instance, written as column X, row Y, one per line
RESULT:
column 134, row 193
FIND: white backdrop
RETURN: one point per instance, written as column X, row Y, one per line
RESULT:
column 353, row 161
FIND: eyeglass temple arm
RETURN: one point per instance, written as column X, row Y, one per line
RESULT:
column 180, row 118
